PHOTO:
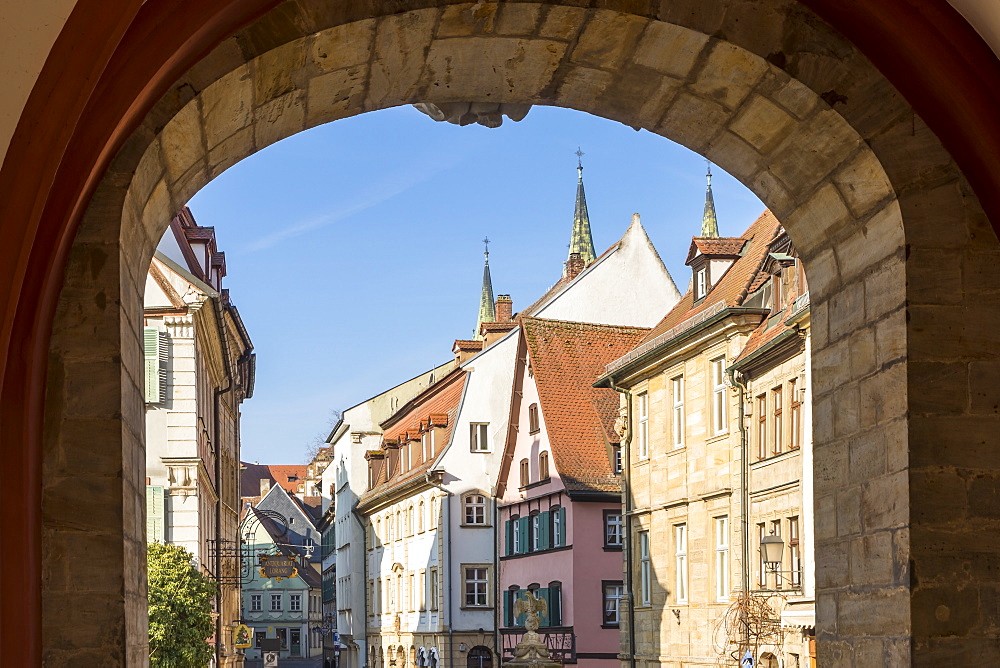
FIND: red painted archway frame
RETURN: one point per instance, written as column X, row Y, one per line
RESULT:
column 115, row 58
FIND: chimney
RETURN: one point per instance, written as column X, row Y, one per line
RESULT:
column 574, row 265
column 504, row 308
column 265, row 486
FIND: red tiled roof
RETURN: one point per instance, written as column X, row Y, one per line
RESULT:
column 566, row 358
column 440, row 399
column 734, row 286
column 275, row 473
column 715, row 246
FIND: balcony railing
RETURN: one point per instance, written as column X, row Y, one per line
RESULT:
column 560, row 640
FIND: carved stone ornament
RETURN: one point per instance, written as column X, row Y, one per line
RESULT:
column 487, row 114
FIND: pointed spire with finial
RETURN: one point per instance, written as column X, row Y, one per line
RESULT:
column 581, row 240
column 709, row 221
column 487, row 309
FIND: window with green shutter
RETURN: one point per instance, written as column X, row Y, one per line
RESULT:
column 555, row 604
column 508, row 527
column 546, row 533
column 155, row 359
column 543, row 617
column 523, row 528
column 558, row 527
column 154, row 514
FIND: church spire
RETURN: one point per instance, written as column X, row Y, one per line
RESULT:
column 581, row 241
column 709, row 222
column 487, row 311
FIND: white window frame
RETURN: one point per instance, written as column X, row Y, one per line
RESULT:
column 677, row 390
column 536, row 532
column 479, row 436
column 476, row 503
column 256, row 603
column 722, row 558
column 295, row 602
column 701, row 283
column 612, row 597
column 477, row 575
column 680, row 563
column 427, row 444
column 645, row 569
column 613, row 528
column 432, row 589
column 719, row 421
column 515, row 536
column 795, row 550
column 642, row 418
column 275, row 599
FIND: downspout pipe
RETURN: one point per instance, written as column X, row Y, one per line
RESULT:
column 447, row 578
column 364, row 613
column 735, row 377
column 628, row 507
column 216, row 440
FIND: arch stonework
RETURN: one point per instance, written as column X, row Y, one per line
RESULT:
column 901, row 262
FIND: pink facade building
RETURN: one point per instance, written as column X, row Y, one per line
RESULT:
column 560, row 524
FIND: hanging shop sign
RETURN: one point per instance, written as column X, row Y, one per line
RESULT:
column 278, row 567
column 242, row 636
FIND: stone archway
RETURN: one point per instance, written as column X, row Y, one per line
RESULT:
column 866, row 191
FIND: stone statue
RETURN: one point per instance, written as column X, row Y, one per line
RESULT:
column 531, row 649
column 488, row 114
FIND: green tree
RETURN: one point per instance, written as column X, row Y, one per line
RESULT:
column 180, row 607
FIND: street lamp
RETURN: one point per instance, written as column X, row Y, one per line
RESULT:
column 771, row 547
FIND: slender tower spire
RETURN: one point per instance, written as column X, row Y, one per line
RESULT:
column 709, row 222
column 581, row 241
column 487, row 310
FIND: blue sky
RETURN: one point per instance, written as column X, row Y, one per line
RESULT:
column 355, row 250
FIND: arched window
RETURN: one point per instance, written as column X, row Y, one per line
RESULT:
column 377, row 539
column 388, row 528
column 409, row 521
column 533, row 424
column 475, row 509
column 524, row 473
column 480, row 657
column 399, row 524
column 420, row 517
column 543, row 465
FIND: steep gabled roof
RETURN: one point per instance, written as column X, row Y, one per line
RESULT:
column 566, row 358
column 717, row 247
column 734, row 286
column 289, row 477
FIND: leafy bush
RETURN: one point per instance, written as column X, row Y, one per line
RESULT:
column 180, row 609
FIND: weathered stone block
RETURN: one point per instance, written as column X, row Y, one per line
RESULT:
column 562, row 22
column 275, row 72
column 607, row 39
column 728, row 74
column 518, row 19
column 669, row 49
column 337, row 94
column 885, row 502
column 871, row 559
column 279, row 118
column 343, row 46
column 466, row 20
column 693, row 121
column 823, row 212
column 761, row 123
column 581, row 86
column 862, row 183
column 182, row 140
column 395, row 72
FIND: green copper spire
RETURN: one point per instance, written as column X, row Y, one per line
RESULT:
column 487, row 310
column 709, row 222
column 581, row 242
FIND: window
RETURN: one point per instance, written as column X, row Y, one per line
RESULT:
column 388, row 529
column 677, row 387
column 616, row 459
column 795, row 415
column 476, row 586
column 680, row 562
column 721, row 558
column 701, row 283
column 536, row 532
column 427, row 444
column 613, row 592
column 432, row 593
column 555, row 604
column 409, row 521
column 524, row 473
column 399, row 524
column 761, row 566
column 776, row 530
column 558, row 515
column 275, row 602
column 645, row 569
column 761, row 426
column 510, row 600
column 411, row 592
column 794, row 550
column 613, row 529
column 478, row 437
column 295, row 602
column 514, row 534
column 776, row 428
column 543, row 465
column 420, row 517
column 475, row 509
column 400, row 592
column 423, row 590
column 719, row 395
column 256, row 604
column 643, row 430
column 533, row 425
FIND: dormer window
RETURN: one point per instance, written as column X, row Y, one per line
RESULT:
column 701, row 283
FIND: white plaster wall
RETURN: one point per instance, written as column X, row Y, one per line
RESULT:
column 629, row 286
